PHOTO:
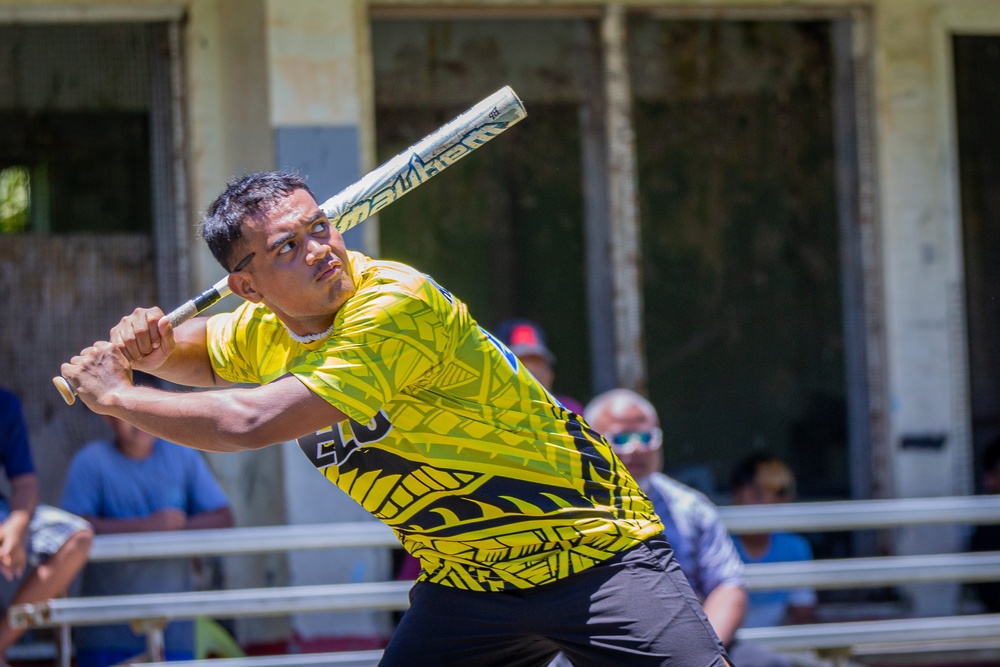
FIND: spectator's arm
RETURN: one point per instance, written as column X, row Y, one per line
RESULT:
column 220, row 518
column 14, row 530
column 725, row 607
column 721, row 574
column 801, row 601
column 797, row 613
column 166, row 519
column 23, row 499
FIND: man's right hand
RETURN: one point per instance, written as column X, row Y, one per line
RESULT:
column 145, row 337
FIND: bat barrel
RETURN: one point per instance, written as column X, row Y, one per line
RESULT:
column 424, row 159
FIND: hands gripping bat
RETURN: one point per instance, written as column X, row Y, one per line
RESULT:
column 385, row 184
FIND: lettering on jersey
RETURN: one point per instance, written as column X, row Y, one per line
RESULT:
column 502, row 349
column 329, row 447
column 445, row 293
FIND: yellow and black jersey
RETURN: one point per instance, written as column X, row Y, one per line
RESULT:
column 481, row 473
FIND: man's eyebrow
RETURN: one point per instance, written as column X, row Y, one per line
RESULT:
column 281, row 240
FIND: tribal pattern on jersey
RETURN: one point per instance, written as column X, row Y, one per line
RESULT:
column 481, row 473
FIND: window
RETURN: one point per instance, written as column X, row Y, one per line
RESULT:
column 15, row 195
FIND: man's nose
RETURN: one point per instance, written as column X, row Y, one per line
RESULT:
column 316, row 250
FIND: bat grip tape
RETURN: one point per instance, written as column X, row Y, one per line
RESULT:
column 200, row 303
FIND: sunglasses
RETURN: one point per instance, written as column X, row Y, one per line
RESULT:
column 627, row 442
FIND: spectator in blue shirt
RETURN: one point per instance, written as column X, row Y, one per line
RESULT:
column 764, row 479
column 42, row 548
column 135, row 483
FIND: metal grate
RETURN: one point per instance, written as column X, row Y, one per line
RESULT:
column 90, row 111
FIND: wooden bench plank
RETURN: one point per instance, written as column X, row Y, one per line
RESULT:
column 338, row 659
column 862, row 638
column 394, row 595
column 807, row 517
column 843, row 635
column 929, row 653
column 876, row 571
column 389, row 595
column 861, row 514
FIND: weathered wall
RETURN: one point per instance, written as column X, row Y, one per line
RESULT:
column 227, row 101
column 921, row 233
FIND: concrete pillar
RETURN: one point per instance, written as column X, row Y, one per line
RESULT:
column 317, row 69
column 228, row 133
column 925, row 317
column 321, row 91
column 229, row 127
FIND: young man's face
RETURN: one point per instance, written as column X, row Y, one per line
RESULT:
column 300, row 268
column 773, row 483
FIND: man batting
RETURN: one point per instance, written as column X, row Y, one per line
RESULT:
column 531, row 535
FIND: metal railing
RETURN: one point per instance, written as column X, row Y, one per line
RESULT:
column 150, row 613
column 803, row 517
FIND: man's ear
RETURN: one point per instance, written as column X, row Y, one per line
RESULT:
column 242, row 286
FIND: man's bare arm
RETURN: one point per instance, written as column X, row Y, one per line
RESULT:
column 224, row 420
column 221, row 420
column 166, row 519
column 189, row 364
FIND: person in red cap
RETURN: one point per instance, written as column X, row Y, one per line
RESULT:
column 527, row 341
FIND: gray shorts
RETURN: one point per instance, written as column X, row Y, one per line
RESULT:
column 634, row 610
column 48, row 531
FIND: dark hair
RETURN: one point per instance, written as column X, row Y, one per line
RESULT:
column 745, row 472
column 245, row 197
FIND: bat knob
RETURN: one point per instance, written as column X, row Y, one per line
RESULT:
column 64, row 389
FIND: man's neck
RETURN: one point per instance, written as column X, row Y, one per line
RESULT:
column 136, row 450
column 757, row 545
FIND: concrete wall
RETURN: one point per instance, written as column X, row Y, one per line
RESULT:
column 921, row 234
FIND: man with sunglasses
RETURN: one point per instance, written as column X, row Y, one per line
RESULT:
column 532, row 536
column 691, row 522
